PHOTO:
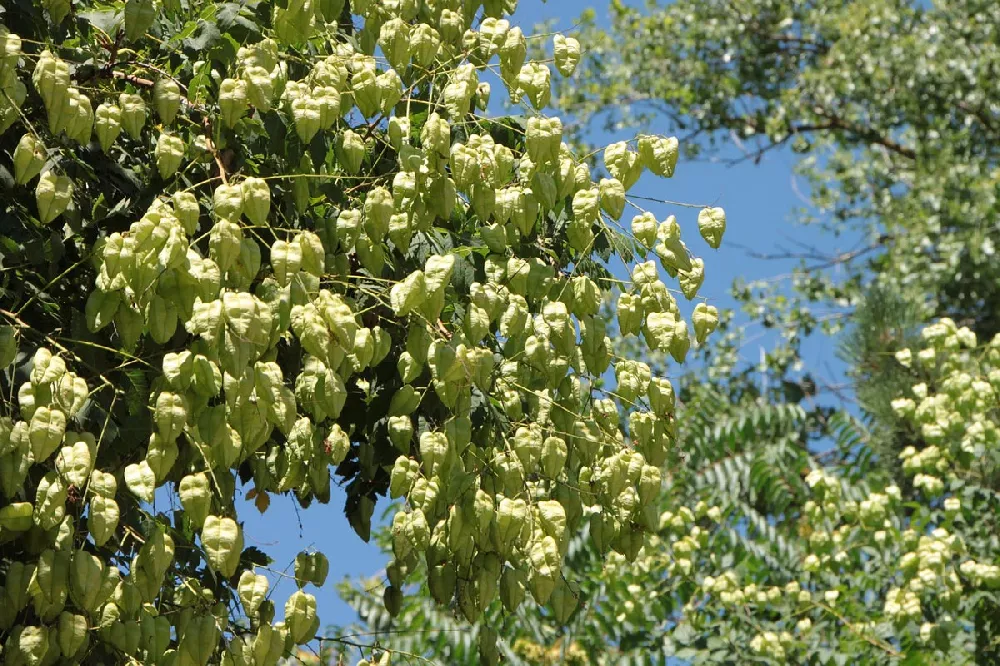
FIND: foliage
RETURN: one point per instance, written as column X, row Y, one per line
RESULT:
column 716, row 490
column 246, row 246
column 874, row 539
column 890, row 105
column 860, row 570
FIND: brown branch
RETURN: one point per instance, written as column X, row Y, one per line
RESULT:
column 133, row 79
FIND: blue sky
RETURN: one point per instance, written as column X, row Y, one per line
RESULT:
column 759, row 200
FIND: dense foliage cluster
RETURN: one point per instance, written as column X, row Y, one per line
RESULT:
column 248, row 247
column 856, row 523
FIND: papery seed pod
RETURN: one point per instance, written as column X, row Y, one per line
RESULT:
column 512, row 588
column 222, row 539
column 350, row 149
column 553, row 456
column 167, row 99
column 187, row 211
column 612, row 197
column 72, row 633
column 705, row 319
column 196, row 497
column 404, row 474
column 228, row 202
column 681, row 342
column 691, row 280
column 260, row 88
column 133, row 114
column 712, row 225
column 29, row 158
column 535, row 81
column 567, row 54
column 308, row 117
column 53, row 195
column 51, row 78
column 253, row 589
column 140, row 480
column 103, row 520
column 661, row 397
column 659, row 154
column 401, row 432
column 623, row 164
column 107, row 125
column 392, row 598
column 169, row 154
column 233, row 100
column 198, row 641
column 644, row 229
column 256, row 198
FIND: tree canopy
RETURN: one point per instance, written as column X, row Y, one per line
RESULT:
column 857, row 527
column 257, row 248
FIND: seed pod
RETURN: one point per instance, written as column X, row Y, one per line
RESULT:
column 554, row 453
column 535, row 81
column 198, row 641
column 139, row 15
column 256, row 200
column 187, row 211
column 72, row 632
column 659, row 330
column 690, row 281
column 311, row 568
column 308, row 117
column 712, row 225
column 52, row 196
column 705, row 319
column 79, row 117
column 404, row 473
column 623, row 163
column 17, row 517
column 401, row 433
column 45, row 432
column 141, row 480
column 659, row 154
column 612, row 197
column 196, row 497
column 253, row 591
column 563, row 601
column 50, row 501
column 223, row 542
column 167, row 99
column 228, row 203
column 260, row 88
column 225, row 243
column 169, row 154
column 424, row 44
column 567, row 54
column 350, row 149
column 29, row 158
column 390, row 91
column 300, row 617
column 103, row 521
column 75, row 461
column 51, row 78
column 107, row 124
column 232, row 101
column 133, row 114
